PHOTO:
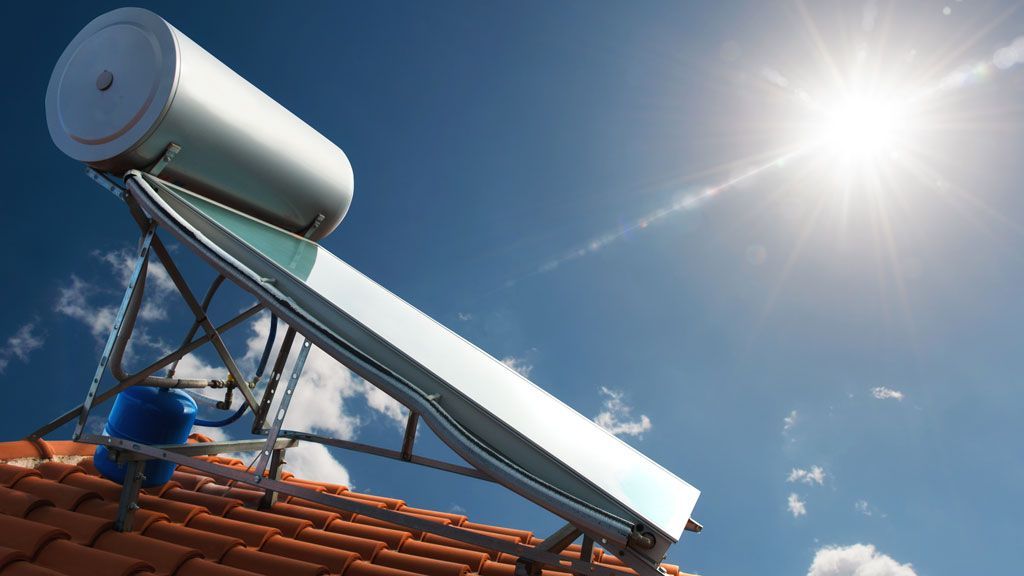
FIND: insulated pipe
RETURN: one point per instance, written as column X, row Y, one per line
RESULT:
column 124, row 336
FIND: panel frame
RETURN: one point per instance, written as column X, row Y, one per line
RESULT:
column 610, row 529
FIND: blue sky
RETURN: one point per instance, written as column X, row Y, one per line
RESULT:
column 828, row 347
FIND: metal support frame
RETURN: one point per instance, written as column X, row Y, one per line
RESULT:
column 140, row 265
column 554, row 543
column 166, row 158
column 129, row 503
column 353, row 506
column 260, row 419
column 266, row 472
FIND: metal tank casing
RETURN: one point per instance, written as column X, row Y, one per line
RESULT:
column 129, row 84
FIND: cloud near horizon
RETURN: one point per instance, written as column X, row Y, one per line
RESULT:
column 856, row 560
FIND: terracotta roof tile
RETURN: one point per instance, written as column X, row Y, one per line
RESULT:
column 62, row 495
column 26, row 569
column 107, row 489
column 523, row 535
column 108, row 510
column 180, row 512
column 84, row 529
column 9, row 555
column 335, row 560
column 218, row 505
column 10, row 475
column 190, row 481
column 360, row 519
column 57, row 471
column 253, row 535
column 248, row 496
column 455, row 519
column 200, row 567
column 319, row 486
column 317, row 506
column 389, row 503
column 288, row 526
column 28, row 536
column 211, row 546
column 18, row 503
column 491, row 568
column 391, row 537
column 320, row 518
column 441, row 552
column 270, row 565
column 73, row 559
column 164, row 556
column 362, row 568
column 366, row 548
column 162, row 489
column 419, row 564
column 57, row 517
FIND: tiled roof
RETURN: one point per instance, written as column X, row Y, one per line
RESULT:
column 57, row 517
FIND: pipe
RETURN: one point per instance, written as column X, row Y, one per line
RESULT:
column 131, row 314
column 259, row 373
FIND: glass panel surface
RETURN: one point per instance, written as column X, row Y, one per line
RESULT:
column 637, row 482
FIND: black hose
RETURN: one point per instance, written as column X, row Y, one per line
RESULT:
column 259, row 373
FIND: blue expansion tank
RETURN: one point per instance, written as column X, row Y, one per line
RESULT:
column 151, row 416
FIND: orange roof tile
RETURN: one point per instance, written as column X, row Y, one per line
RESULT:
column 57, row 516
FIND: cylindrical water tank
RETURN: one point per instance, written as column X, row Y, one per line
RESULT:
column 150, row 416
column 130, row 84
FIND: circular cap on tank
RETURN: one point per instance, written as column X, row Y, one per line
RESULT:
column 112, row 84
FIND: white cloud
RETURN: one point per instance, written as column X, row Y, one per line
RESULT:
column 775, row 77
column 1009, row 55
column 616, row 415
column 883, row 393
column 314, row 462
column 856, row 560
column 464, row 316
column 796, row 506
column 519, row 365
column 816, row 475
column 789, row 422
column 20, row 345
column 863, row 507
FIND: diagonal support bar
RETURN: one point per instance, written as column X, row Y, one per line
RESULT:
column 410, row 435
column 218, row 343
column 140, row 266
column 282, row 409
column 260, row 418
column 142, row 375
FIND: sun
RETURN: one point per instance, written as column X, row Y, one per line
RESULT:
column 863, row 127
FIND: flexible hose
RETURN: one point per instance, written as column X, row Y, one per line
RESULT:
column 259, row 373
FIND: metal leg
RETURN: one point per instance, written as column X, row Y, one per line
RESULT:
column 282, row 410
column 554, row 544
column 126, row 508
column 410, row 435
column 115, row 330
column 260, row 418
column 270, row 495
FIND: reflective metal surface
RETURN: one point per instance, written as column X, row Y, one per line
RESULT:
column 129, row 85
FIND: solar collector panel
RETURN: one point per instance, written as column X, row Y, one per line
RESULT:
column 524, row 424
